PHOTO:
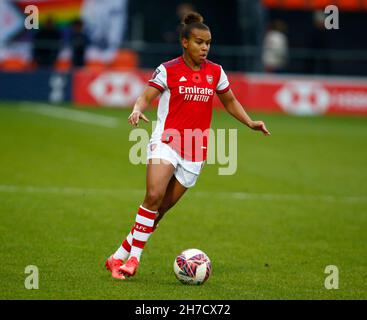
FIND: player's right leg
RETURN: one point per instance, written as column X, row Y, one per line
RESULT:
column 159, row 173
column 174, row 192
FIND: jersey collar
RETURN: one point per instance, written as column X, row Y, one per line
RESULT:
column 202, row 66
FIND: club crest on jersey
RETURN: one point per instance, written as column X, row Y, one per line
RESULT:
column 209, row 78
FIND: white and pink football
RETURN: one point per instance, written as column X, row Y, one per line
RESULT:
column 192, row 266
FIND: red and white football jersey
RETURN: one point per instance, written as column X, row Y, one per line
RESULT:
column 186, row 104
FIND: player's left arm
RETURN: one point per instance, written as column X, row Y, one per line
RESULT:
column 234, row 108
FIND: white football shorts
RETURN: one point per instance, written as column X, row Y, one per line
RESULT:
column 186, row 172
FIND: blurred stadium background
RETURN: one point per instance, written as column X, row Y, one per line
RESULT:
column 270, row 45
column 274, row 47
column 68, row 192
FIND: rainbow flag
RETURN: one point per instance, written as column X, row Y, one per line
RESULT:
column 62, row 11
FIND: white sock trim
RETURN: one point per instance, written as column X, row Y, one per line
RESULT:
column 141, row 236
column 148, row 210
column 136, row 252
column 144, row 221
column 121, row 254
column 129, row 238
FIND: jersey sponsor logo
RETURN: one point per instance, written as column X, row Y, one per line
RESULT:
column 195, row 90
column 196, row 93
column 182, row 79
column 209, row 78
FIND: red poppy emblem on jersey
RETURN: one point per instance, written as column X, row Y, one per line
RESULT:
column 196, row 78
column 209, row 78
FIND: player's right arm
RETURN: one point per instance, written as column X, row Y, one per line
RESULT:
column 141, row 104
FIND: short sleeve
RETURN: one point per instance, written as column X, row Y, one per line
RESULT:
column 223, row 83
column 159, row 79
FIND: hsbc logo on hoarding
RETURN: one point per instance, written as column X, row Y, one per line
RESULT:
column 116, row 88
column 303, row 98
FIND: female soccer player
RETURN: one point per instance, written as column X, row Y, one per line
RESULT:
column 175, row 156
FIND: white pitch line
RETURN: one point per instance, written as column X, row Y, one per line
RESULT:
column 63, row 190
column 201, row 194
column 285, row 197
column 71, row 114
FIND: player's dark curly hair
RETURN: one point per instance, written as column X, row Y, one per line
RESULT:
column 190, row 21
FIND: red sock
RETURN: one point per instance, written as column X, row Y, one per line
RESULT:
column 143, row 228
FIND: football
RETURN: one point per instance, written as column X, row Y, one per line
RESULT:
column 192, row 266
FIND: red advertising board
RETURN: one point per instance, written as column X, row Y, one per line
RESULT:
column 301, row 95
column 111, row 88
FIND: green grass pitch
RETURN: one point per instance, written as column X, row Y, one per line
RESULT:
column 297, row 203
